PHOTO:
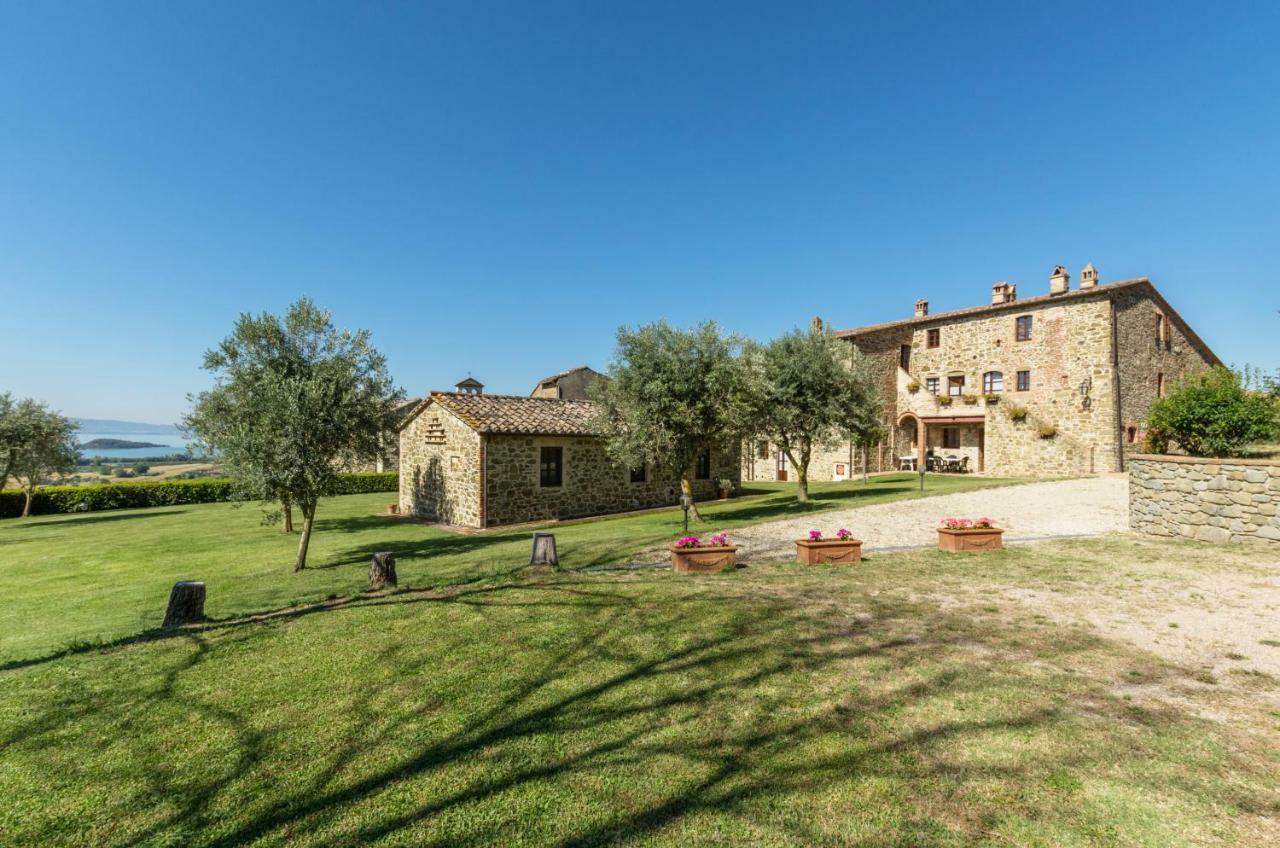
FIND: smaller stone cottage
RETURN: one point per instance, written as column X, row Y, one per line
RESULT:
column 568, row 385
column 476, row 460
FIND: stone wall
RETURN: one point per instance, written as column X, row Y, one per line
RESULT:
column 440, row 468
column 1143, row 357
column 1213, row 500
column 592, row 484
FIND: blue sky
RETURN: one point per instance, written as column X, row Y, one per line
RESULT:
column 494, row 187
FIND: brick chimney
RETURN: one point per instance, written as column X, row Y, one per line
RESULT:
column 1059, row 280
column 922, row 308
column 1089, row 277
column 1003, row 292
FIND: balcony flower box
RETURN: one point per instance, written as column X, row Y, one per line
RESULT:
column 957, row 535
column 691, row 554
column 842, row 550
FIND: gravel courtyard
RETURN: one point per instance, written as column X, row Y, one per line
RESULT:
column 1092, row 506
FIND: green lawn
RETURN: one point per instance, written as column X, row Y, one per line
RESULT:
column 70, row 579
column 896, row 703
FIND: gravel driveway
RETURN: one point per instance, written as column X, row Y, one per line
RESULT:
column 1033, row 511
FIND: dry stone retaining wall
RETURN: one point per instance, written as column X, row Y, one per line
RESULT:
column 1213, row 500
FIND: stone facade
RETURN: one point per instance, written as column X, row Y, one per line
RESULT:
column 440, row 468
column 1212, row 500
column 1095, row 358
column 568, row 385
column 592, row 484
column 455, row 471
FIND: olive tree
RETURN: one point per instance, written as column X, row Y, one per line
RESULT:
column 672, row 394
column 294, row 400
column 37, row 442
column 811, row 390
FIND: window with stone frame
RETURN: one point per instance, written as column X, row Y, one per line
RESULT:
column 1023, row 328
column 955, row 385
column 951, row 438
column 993, row 382
column 1024, row 381
column 931, row 385
column 702, row 469
column 904, row 357
column 640, row 474
column 550, row 467
column 762, row 449
column 933, row 338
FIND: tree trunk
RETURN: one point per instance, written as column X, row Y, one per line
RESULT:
column 382, row 570
column 26, row 504
column 186, row 604
column 308, row 517
column 687, row 489
column 286, row 509
column 802, row 475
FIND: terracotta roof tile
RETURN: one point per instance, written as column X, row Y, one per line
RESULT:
column 520, row 415
column 1074, row 294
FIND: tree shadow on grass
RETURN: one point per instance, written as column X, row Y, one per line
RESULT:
column 701, row 703
column 135, row 514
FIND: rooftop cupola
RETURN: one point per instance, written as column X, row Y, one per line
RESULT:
column 1089, row 277
column 469, row 386
column 1003, row 292
column 1059, row 280
column 922, row 308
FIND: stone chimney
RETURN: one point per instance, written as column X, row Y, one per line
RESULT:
column 1089, row 277
column 922, row 308
column 1003, row 292
column 1059, row 280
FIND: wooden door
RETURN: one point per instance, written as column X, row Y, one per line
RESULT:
column 782, row 467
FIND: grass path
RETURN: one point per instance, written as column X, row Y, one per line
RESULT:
column 67, row 580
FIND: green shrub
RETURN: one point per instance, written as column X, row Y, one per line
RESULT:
column 1212, row 414
column 1016, row 413
column 56, row 499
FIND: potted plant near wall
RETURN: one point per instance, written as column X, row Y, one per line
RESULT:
column 724, row 488
column 969, row 534
column 944, row 400
column 970, row 399
column 1016, row 413
column 816, row 550
column 991, row 398
column 692, row 554
column 913, row 386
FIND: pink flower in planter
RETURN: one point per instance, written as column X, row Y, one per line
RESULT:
column 815, row 535
column 983, row 523
column 967, row 523
column 688, row 542
column 719, row 540
column 842, row 533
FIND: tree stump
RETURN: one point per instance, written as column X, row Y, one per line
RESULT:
column 186, row 604
column 382, row 570
column 544, row 550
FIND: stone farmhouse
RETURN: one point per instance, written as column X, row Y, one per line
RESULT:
column 479, row 460
column 1056, row 384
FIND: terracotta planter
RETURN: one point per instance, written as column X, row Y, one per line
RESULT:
column 704, row 559
column 981, row 539
column 393, row 509
column 828, row 551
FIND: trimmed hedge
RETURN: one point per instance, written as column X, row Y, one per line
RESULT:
column 55, row 499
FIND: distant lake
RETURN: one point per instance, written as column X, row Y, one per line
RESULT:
column 173, row 444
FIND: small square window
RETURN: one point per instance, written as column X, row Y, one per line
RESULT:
column 951, row 438
column 762, row 449
column 934, row 338
column 955, row 385
column 550, row 467
column 1023, row 332
column 702, row 471
column 992, row 383
column 931, row 385
column 1024, row 381
column 639, row 475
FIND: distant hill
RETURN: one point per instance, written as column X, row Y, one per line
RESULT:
column 109, row 425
